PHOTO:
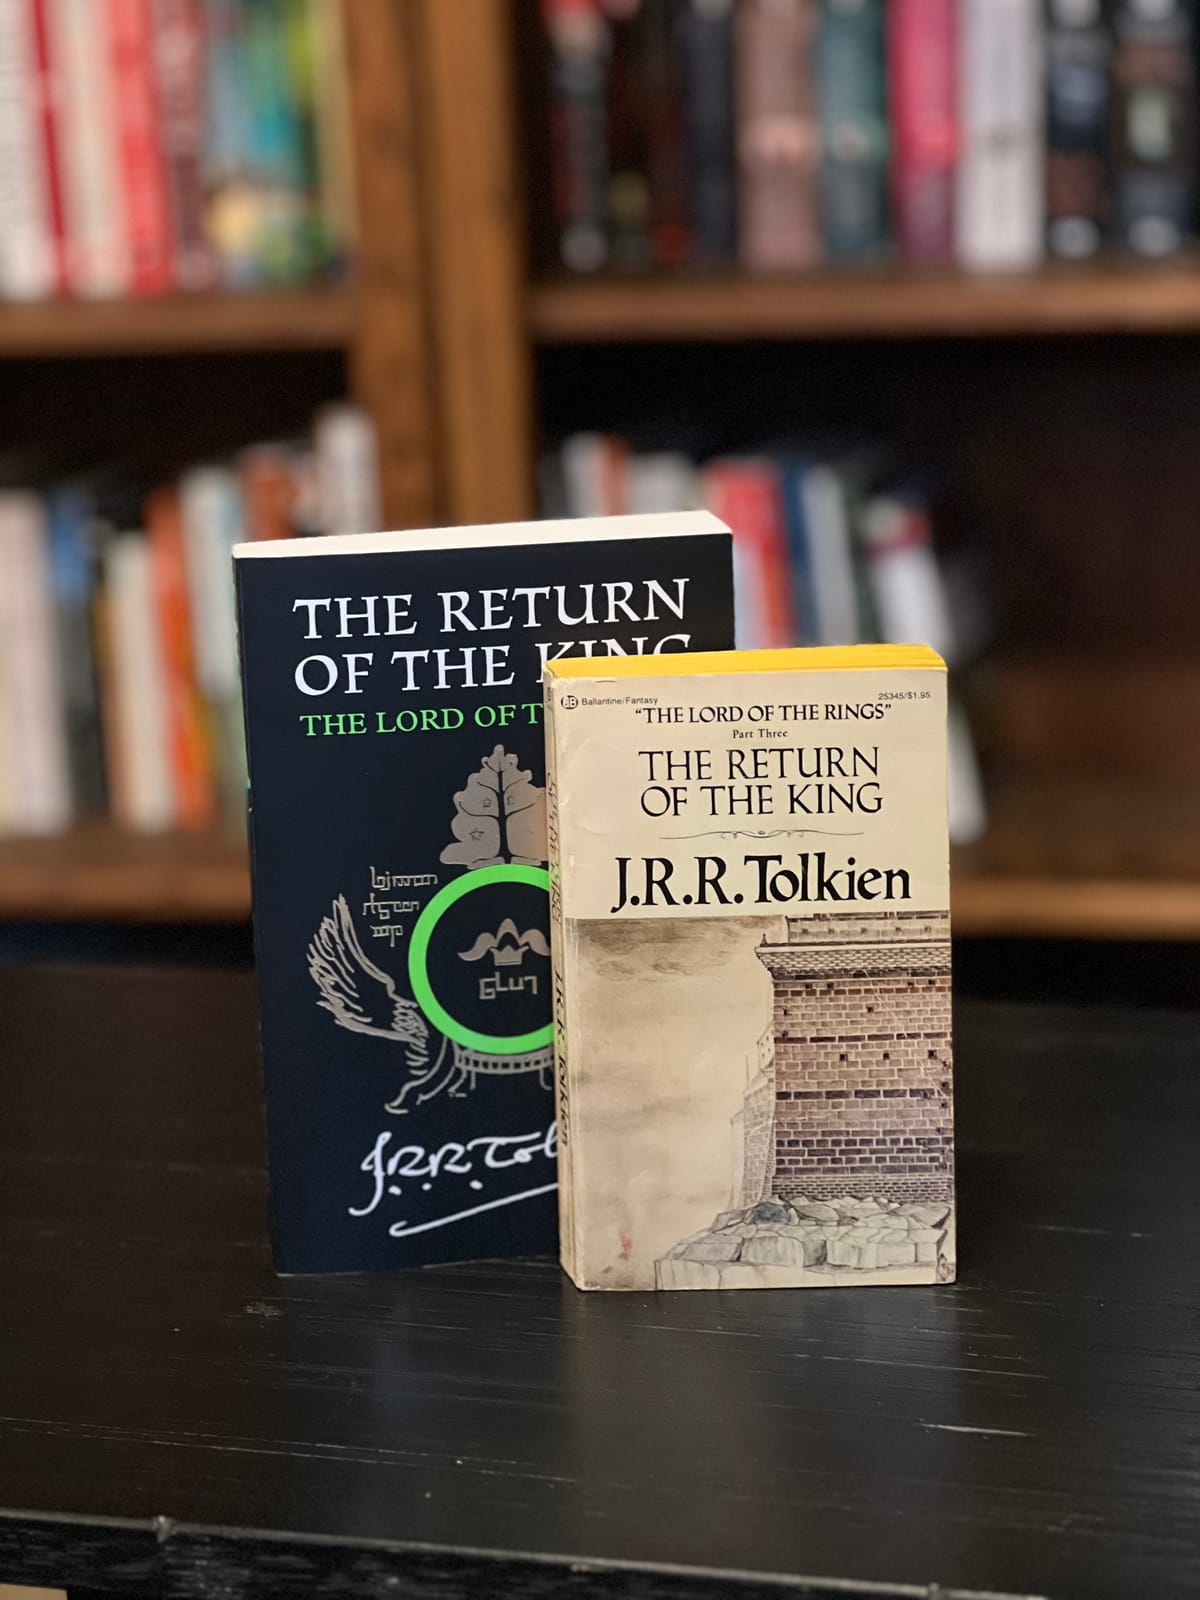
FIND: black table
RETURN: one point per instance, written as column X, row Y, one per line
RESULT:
column 175, row 1419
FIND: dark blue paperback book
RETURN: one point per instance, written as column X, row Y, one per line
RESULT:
column 393, row 700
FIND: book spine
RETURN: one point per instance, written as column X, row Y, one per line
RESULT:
column 139, row 146
column 999, row 196
column 1078, row 59
column 1154, row 116
column 923, row 88
column 276, row 154
column 36, row 733
column 268, row 483
column 335, row 151
column 627, row 124
column 73, row 565
column 97, row 256
column 347, row 467
column 579, row 42
column 560, row 958
column 594, row 475
column 27, row 256
column 188, row 734
column 747, row 496
column 707, row 44
column 179, row 60
column 49, row 118
column 666, row 134
column 135, row 667
column 777, row 135
column 304, row 68
column 854, row 131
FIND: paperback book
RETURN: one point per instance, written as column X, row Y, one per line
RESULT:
column 751, row 947
column 398, row 836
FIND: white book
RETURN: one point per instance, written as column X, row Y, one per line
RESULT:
column 140, row 689
column 97, row 253
column 347, row 451
column 665, row 480
column 213, row 522
column 830, row 558
column 904, row 577
column 593, row 475
column 27, row 268
column 38, row 796
column 1001, row 171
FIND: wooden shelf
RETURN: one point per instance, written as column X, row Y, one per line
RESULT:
column 868, row 305
column 101, row 874
column 299, row 319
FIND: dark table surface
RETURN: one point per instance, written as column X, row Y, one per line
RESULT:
column 176, row 1419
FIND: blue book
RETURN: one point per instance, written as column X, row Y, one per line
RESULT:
column 73, row 574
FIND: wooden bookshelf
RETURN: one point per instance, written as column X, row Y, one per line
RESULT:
column 297, row 319
column 885, row 305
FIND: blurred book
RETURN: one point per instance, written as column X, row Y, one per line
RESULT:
column 156, row 145
column 119, row 688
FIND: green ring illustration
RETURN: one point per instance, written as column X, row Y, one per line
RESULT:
column 418, row 968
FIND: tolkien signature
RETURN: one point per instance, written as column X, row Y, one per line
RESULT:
column 494, row 1152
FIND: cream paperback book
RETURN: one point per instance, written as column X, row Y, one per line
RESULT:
column 751, row 967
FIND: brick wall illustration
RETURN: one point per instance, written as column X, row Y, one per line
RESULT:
column 862, row 1058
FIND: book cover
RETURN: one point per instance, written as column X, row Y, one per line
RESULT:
column 139, row 141
column 27, row 244
column 854, row 130
column 397, row 790
column 751, row 949
column 1154, row 122
column 97, row 249
column 922, row 51
column 580, row 45
column 1078, row 54
column 778, row 138
column 706, row 38
column 1000, row 198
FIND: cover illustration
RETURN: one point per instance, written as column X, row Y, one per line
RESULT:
column 752, row 969
column 393, row 702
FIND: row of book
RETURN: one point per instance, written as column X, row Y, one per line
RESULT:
column 119, row 692
column 831, row 546
column 782, row 134
column 153, row 145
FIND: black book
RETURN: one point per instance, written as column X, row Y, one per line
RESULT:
column 398, row 835
column 1154, row 123
column 1078, row 60
column 707, row 34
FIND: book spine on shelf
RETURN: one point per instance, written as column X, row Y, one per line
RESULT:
column 39, row 786
column 837, row 611
column 563, row 1030
column 580, row 45
column 188, row 735
column 179, row 59
column 777, row 135
column 27, row 248
column 923, row 88
column 1000, row 192
column 140, row 146
column 304, row 68
column 232, row 199
column 747, row 496
column 594, row 478
column 854, row 131
column 97, row 252
column 143, row 793
column 347, row 468
column 277, row 157
column 268, row 482
column 664, row 480
column 706, row 32
column 666, row 133
column 1078, row 60
column 213, row 523
column 49, row 119
column 334, row 145
column 73, row 564
column 627, row 124
column 1154, row 119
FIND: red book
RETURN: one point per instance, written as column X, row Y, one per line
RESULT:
column 188, row 741
column 922, row 47
column 778, row 138
column 747, row 495
column 47, row 118
column 180, row 60
column 140, row 146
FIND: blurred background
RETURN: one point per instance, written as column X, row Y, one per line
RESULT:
column 905, row 290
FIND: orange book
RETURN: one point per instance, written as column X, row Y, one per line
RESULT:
column 189, row 739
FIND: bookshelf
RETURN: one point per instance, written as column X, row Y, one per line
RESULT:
column 1064, row 405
